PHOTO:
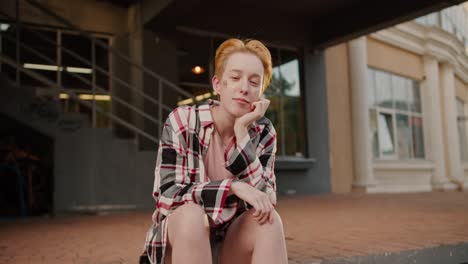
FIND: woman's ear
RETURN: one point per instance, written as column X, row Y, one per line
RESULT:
column 216, row 84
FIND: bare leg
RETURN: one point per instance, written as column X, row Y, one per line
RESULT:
column 248, row 242
column 189, row 237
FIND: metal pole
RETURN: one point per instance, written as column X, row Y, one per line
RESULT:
column 59, row 66
column 211, row 63
column 93, row 63
column 160, row 115
column 111, row 78
column 283, row 135
column 1, row 51
column 17, row 42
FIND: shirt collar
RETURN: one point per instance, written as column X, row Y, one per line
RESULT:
column 206, row 119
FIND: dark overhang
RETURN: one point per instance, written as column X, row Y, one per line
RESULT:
column 298, row 23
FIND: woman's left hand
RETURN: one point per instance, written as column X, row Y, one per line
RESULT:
column 258, row 110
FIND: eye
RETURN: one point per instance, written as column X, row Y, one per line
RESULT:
column 254, row 83
column 235, row 78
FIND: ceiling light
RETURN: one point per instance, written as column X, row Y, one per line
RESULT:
column 79, row 70
column 41, row 67
column 45, row 67
column 185, row 102
column 97, row 97
column 198, row 70
column 4, row 27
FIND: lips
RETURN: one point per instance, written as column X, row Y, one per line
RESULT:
column 241, row 100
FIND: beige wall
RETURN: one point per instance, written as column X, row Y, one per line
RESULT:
column 339, row 118
column 395, row 60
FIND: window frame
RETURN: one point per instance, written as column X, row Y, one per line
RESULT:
column 394, row 112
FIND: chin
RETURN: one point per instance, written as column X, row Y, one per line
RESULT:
column 238, row 112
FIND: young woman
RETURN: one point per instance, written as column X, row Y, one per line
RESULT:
column 214, row 178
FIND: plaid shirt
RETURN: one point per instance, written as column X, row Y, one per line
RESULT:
column 180, row 175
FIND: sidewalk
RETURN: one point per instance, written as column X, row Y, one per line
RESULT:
column 318, row 229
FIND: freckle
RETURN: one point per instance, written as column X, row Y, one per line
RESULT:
column 225, row 83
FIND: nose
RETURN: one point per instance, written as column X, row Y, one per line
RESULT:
column 244, row 87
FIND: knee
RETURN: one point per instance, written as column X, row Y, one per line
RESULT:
column 188, row 222
column 277, row 219
column 277, row 222
column 276, row 227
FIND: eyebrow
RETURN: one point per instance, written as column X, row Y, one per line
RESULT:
column 240, row 71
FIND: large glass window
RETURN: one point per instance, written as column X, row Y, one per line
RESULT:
column 395, row 116
column 286, row 108
column 462, row 136
column 77, row 56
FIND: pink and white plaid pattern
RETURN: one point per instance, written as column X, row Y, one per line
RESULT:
column 180, row 175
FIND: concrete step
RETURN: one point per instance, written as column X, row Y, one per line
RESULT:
column 456, row 254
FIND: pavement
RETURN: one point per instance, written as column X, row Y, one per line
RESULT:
column 334, row 228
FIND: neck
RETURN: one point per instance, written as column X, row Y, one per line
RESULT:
column 224, row 122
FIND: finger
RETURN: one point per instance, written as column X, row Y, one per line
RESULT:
column 261, row 218
column 259, row 211
column 264, row 218
column 256, row 212
column 272, row 197
column 257, row 106
column 266, row 212
column 271, row 218
column 256, row 103
column 267, row 103
column 270, row 211
column 263, row 106
column 252, row 106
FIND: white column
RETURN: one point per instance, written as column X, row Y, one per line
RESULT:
column 362, row 149
column 433, row 123
column 455, row 170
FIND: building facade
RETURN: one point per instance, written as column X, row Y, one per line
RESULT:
column 397, row 107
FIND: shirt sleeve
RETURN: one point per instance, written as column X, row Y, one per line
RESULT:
column 254, row 163
column 174, row 184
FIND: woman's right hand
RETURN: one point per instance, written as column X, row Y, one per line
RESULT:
column 260, row 201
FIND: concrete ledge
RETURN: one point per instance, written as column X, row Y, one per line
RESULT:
column 292, row 163
column 402, row 177
column 456, row 254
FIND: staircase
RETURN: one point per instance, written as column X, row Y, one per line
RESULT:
column 95, row 168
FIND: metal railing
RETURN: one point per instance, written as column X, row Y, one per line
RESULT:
column 57, row 86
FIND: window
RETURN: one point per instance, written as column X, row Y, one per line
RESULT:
column 461, row 123
column 395, row 116
column 77, row 52
column 286, row 107
column 451, row 19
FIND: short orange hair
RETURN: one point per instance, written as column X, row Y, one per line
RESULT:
column 233, row 45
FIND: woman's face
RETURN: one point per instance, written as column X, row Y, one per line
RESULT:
column 240, row 84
